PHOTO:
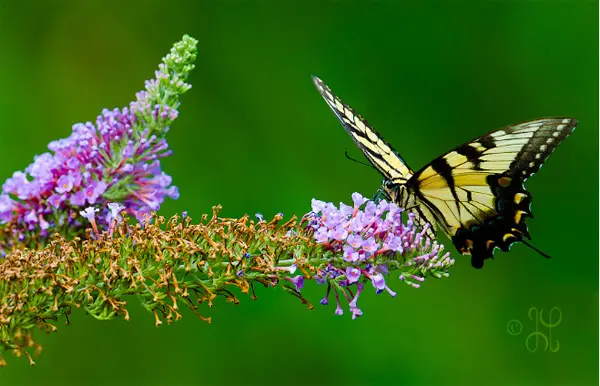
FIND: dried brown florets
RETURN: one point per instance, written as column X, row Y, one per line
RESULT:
column 165, row 263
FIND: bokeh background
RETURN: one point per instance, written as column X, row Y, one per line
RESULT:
column 255, row 136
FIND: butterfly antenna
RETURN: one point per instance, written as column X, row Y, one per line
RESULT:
column 378, row 195
column 357, row 161
column 535, row 249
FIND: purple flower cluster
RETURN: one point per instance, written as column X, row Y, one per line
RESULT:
column 114, row 160
column 365, row 240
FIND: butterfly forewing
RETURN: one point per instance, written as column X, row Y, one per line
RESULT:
column 377, row 151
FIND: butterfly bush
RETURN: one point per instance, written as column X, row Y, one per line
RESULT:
column 114, row 159
column 178, row 263
column 68, row 242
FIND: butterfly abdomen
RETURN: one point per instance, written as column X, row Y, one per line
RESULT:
column 502, row 230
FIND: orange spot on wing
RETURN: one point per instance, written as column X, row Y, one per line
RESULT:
column 504, row 181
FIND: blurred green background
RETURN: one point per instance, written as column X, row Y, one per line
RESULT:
column 255, row 136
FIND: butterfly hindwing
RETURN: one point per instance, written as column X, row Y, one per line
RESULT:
column 475, row 193
column 377, row 151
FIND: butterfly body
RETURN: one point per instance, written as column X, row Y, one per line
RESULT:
column 474, row 193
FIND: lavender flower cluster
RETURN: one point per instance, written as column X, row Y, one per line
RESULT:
column 114, row 160
column 370, row 240
column 117, row 159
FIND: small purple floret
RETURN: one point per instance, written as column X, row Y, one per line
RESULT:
column 352, row 303
column 298, row 282
column 89, row 213
column 355, row 241
column 356, row 312
column 115, row 211
column 64, row 184
column 352, row 274
column 320, row 279
column 358, row 200
column 378, row 282
column 322, row 235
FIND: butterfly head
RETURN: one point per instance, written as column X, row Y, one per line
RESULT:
column 394, row 192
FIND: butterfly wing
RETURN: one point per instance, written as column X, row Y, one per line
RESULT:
column 423, row 216
column 475, row 193
column 377, row 151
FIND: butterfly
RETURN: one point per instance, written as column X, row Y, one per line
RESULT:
column 475, row 192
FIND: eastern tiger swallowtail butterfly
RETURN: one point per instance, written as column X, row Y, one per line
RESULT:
column 474, row 193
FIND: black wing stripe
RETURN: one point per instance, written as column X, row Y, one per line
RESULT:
column 471, row 153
